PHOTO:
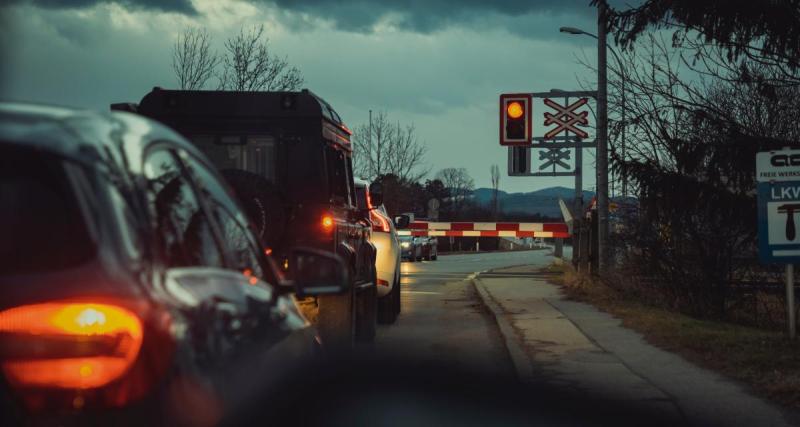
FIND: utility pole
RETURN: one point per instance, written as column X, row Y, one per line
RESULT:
column 602, row 140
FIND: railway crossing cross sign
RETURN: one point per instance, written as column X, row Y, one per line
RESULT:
column 553, row 157
column 778, row 177
column 566, row 118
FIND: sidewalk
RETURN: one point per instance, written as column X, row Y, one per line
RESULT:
column 574, row 345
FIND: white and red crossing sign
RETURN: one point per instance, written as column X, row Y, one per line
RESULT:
column 566, row 118
column 485, row 229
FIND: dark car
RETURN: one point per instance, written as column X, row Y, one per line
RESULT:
column 289, row 151
column 410, row 248
column 133, row 287
column 430, row 248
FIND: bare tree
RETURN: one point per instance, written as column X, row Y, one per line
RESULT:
column 495, row 189
column 389, row 148
column 459, row 183
column 192, row 58
column 248, row 65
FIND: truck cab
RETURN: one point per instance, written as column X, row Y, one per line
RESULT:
column 288, row 158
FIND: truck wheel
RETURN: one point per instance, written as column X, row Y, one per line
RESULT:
column 336, row 321
column 367, row 313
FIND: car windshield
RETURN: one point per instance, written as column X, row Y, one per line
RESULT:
column 41, row 223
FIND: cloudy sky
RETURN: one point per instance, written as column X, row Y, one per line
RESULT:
column 439, row 64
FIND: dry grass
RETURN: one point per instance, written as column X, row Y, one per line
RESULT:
column 765, row 359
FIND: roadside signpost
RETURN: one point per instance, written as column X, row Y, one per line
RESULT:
column 778, row 184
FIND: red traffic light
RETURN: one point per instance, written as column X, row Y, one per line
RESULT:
column 515, row 119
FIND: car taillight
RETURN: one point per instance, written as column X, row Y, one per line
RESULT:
column 68, row 345
column 379, row 223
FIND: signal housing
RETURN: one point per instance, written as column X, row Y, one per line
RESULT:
column 516, row 131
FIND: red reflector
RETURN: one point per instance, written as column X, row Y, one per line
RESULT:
column 68, row 345
column 383, row 282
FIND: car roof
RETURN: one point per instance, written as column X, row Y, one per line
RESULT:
column 85, row 136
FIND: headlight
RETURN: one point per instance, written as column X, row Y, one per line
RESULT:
column 405, row 244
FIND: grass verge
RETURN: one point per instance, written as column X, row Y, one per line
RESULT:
column 765, row 359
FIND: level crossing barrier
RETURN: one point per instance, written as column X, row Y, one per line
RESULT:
column 485, row 229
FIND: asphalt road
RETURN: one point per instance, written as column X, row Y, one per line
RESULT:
column 443, row 320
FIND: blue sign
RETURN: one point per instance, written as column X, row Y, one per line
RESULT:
column 779, row 222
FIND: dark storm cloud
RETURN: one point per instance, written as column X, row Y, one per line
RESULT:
column 424, row 16
column 180, row 6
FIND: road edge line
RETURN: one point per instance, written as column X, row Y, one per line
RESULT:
column 519, row 357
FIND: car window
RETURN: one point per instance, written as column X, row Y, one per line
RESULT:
column 41, row 223
column 361, row 197
column 125, row 221
column 184, row 234
column 238, row 241
column 337, row 175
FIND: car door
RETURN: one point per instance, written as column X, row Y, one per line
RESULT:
column 205, row 296
column 273, row 333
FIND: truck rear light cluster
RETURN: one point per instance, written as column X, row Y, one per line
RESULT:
column 379, row 223
column 327, row 223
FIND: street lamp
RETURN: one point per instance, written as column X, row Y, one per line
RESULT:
column 602, row 135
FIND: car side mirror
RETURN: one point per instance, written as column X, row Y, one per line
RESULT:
column 318, row 273
column 376, row 193
column 402, row 221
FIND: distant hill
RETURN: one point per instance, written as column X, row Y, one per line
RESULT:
column 543, row 202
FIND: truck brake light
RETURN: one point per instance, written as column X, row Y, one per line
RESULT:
column 327, row 223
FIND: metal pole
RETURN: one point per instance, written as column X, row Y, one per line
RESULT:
column 790, row 300
column 602, row 140
column 578, row 203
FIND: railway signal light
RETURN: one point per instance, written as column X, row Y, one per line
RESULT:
column 515, row 119
column 519, row 161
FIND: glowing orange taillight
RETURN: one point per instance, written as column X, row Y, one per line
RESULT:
column 327, row 223
column 379, row 223
column 68, row 345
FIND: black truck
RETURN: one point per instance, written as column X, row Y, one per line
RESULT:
column 288, row 158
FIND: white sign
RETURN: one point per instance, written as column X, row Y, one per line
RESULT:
column 784, row 223
column 782, row 165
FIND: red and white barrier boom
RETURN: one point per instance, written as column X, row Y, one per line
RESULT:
column 485, row 229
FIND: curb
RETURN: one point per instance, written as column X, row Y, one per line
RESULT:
column 520, row 359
